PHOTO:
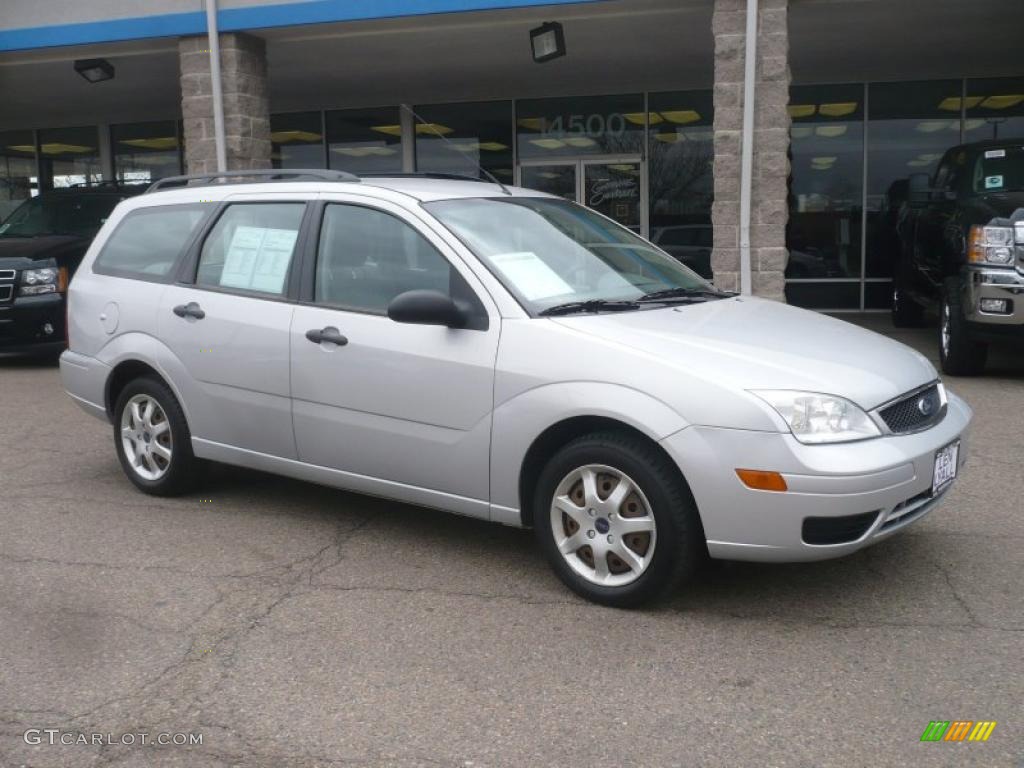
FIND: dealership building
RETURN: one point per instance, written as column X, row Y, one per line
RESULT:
column 768, row 143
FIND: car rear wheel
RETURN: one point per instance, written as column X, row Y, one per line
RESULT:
column 152, row 439
column 959, row 354
column 616, row 520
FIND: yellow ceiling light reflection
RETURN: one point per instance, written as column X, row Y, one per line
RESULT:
column 363, row 151
column 973, row 124
column 669, row 138
column 547, row 143
column 625, row 168
column 802, row 131
column 637, row 118
column 839, row 109
column 284, row 137
column 933, row 126
column 1003, row 101
column 161, row 142
column 390, row 130
column 801, row 110
column 433, row 129
column 954, row 103
column 579, row 141
column 681, row 116
column 492, row 146
column 548, row 175
column 22, row 148
column 830, row 131
column 531, row 123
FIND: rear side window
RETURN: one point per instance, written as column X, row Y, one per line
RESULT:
column 250, row 247
column 147, row 243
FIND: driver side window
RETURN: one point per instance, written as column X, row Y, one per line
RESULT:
column 367, row 257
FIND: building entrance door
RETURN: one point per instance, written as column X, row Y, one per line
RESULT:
column 614, row 186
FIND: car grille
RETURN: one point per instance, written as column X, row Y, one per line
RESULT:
column 914, row 412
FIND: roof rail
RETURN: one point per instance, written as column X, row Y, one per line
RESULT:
column 267, row 174
column 424, row 175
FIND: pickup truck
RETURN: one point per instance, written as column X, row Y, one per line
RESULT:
column 41, row 244
column 962, row 236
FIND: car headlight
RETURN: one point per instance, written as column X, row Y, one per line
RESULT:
column 38, row 281
column 816, row 418
column 990, row 245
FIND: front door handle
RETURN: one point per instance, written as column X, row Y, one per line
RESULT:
column 330, row 333
column 190, row 310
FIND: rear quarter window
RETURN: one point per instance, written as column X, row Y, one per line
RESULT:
column 148, row 241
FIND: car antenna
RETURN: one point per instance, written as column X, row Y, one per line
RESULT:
column 433, row 128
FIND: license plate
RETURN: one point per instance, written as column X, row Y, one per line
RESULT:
column 945, row 466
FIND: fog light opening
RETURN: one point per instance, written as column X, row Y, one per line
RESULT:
column 48, row 329
column 761, row 480
column 994, row 306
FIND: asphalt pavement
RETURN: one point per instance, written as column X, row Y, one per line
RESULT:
column 287, row 624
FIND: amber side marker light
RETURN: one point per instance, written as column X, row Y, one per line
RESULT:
column 760, row 480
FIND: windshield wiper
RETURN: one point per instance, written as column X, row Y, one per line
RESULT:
column 591, row 305
column 699, row 294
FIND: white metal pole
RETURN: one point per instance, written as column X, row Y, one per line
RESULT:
column 747, row 151
column 216, row 93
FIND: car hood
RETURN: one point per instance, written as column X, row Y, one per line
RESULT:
column 996, row 205
column 28, row 252
column 749, row 343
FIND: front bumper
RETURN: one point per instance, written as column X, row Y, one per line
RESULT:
column 1007, row 284
column 888, row 480
column 25, row 320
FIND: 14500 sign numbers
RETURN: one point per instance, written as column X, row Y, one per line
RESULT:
column 589, row 125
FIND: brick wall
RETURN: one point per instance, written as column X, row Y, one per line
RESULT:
column 243, row 63
column 769, row 210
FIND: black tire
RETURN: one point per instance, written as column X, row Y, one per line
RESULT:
column 906, row 313
column 960, row 355
column 679, row 543
column 182, row 470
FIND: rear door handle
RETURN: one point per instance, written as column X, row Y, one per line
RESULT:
column 190, row 310
column 330, row 333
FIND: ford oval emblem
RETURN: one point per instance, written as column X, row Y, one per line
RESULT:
column 925, row 406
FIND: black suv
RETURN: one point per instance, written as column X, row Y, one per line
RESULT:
column 962, row 235
column 41, row 245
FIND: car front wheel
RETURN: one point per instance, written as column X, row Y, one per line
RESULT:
column 616, row 520
column 152, row 439
column 959, row 354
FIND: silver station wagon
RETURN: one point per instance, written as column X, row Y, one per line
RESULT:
column 504, row 354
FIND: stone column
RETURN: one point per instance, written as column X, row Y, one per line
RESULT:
column 243, row 66
column 769, row 210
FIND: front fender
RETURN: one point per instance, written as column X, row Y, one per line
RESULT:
column 521, row 419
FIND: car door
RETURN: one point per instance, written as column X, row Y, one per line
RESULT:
column 227, row 323
column 407, row 405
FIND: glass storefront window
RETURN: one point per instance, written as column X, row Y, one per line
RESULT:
column 365, row 140
column 995, row 109
column 145, row 152
column 69, row 156
column 680, row 175
column 910, row 127
column 474, row 134
column 825, row 194
column 297, row 140
column 17, row 170
column 583, row 125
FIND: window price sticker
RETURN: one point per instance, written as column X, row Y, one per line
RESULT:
column 258, row 259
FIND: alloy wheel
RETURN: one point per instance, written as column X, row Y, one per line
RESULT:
column 146, row 437
column 603, row 525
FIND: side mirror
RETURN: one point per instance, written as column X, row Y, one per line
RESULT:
column 918, row 190
column 422, row 307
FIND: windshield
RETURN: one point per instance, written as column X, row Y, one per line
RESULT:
column 549, row 252
column 999, row 170
column 80, row 215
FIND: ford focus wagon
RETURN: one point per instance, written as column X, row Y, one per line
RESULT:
column 504, row 354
